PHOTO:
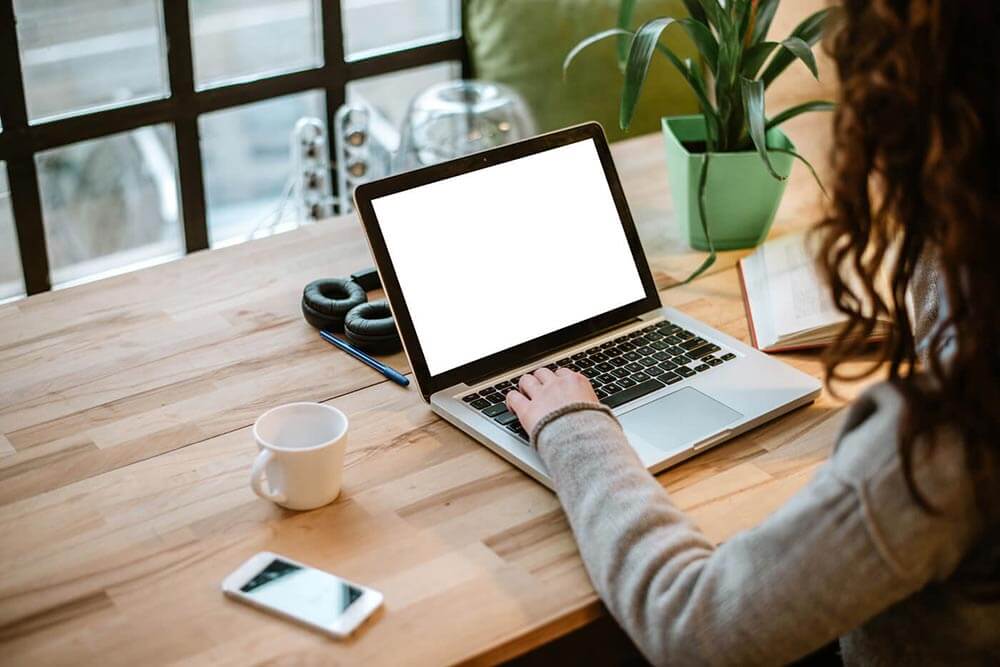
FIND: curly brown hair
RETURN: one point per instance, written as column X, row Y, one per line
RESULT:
column 915, row 156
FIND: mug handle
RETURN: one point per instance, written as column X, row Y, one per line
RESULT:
column 258, row 478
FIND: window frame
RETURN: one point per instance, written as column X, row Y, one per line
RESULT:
column 20, row 141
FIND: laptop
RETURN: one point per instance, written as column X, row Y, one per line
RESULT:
column 500, row 262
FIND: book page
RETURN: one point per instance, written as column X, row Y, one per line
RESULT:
column 758, row 300
column 800, row 302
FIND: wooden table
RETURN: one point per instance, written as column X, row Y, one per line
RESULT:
column 125, row 447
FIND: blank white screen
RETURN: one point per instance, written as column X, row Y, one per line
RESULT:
column 502, row 255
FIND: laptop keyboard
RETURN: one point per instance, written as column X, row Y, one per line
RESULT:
column 621, row 370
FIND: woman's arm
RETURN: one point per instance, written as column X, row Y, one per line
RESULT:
column 817, row 568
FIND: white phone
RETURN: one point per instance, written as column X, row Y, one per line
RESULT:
column 301, row 593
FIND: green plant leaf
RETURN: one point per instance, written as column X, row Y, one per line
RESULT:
column 702, row 189
column 765, row 16
column 803, row 52
column 730, row 52
column 703, row 214
column 741, row 11
column 753, row 103
column 727, row 80
column 704, row 40
column 694, row 79
column 697, row 83
column 726, row 76
column 809, row 31
column 592, row 39
column 639, row 56
column 754, row 57
column 695, row 11
column 691, row 74
column 798, row 109
column 807, row 164
column 626, row 9
column 727, row 91
column 710, row 145
column 716, row 15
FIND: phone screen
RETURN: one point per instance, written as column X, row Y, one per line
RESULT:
column 303, row 592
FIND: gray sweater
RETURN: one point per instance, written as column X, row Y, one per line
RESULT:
column 850, row 556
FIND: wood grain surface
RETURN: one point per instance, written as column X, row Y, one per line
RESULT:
column 125, row 447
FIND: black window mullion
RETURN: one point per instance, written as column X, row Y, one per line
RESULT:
column 97, row 124
column 414, row 56
column 467, row 71
column 26, row 204
column 335, row 73
column 180, row 66
column 22, row 172
column 259, row 90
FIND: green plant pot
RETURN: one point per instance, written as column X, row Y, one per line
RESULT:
column 741, row 196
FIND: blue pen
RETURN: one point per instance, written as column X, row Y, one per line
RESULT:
column 393, row 375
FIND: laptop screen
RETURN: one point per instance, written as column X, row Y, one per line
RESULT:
column 493, row 258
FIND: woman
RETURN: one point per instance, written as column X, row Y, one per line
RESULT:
column 894, row 547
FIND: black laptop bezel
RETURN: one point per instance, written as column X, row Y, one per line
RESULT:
column 536, row 348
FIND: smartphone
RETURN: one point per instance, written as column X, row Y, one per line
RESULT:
column 301, row 593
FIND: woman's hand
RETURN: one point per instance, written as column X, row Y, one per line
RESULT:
column 543, row 391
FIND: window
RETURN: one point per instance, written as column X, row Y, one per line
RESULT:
column 247, row 152
column 83, row 56
column 237, row 40
column 11, row 284
column 117, row 152
column 110, row 204
column 377, row 26
column 391, row 93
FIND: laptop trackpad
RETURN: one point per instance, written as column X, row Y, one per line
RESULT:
column 676, row 421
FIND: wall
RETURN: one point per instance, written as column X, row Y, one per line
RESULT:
column 797, row 83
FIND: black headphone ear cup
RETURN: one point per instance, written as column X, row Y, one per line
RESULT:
column 318, row 319
column 370, row 327
column 325, row 302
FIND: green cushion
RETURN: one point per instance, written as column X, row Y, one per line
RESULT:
column 522, row 43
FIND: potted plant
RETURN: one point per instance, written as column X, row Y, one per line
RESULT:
column 733, row 203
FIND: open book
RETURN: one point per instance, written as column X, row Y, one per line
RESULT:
column 788, row 305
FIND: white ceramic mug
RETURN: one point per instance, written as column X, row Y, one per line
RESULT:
column 301, row 459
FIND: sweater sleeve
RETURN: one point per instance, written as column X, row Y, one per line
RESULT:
column 821, row 565
column 924, row 299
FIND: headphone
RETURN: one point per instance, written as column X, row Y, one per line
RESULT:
column 341, row 305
